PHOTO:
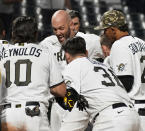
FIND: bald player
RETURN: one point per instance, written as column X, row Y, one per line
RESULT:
column 62, row 26
column 61, row 23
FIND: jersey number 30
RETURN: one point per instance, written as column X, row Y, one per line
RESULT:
column 17, row 73
column 109, row 77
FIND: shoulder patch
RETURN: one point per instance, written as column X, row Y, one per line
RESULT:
column 68, row 83
column 121, row 67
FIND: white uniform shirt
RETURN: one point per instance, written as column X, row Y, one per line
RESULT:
column 128, row 58
column 54, row 45
column 30, row 71
column 92, row 44
column 92, row 81
column 107, row 61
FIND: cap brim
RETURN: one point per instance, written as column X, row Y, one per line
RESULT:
column 100, row 28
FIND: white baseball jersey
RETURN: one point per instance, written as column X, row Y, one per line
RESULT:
column 30, row 71
column 92, row 44
column 102, row 89
column 127, row 57
column 107, row 61
column 54, row 45
column 96, row 82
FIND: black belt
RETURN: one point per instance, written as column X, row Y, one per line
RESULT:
column 117, row 105
column 139, row 101
column 114, row 106
column 28, row 103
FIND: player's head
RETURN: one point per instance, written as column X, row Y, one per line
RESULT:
column 74, row 47
column 2, row 30
column 24, row 29
column 105, row 45
column 113, row 23
column 76, row 20
column 61, row 23
column 111, row 18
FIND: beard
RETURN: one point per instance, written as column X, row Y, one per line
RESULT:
column 67, row 36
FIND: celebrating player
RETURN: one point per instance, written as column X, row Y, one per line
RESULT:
column 31, row 73
column 109, row 105
column 62, row 26
column 126, row 57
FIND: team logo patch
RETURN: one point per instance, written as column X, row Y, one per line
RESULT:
column 121, row 67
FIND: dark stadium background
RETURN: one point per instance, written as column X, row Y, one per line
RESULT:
column 91, row 11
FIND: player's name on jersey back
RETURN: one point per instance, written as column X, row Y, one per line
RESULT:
column 33, row 51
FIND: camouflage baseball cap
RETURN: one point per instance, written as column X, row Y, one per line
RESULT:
column 111, row 18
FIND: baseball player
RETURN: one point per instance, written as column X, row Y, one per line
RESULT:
column 95, row 51
column 62, row 26
column 126, row 58
column 109, row 105
column 76, row 20
column 31, row 72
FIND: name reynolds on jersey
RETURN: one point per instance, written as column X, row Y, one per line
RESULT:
column 137, row 47
column 33, row 51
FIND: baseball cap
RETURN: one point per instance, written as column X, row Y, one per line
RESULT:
column 111, row 18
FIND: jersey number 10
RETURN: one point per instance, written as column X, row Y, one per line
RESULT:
column 17, row 73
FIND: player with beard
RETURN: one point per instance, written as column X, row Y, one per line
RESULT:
column 62, row 26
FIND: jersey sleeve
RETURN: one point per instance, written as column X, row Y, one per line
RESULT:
column 93, row 46
column 121, row 59
column 55, row 72
column 71, row 76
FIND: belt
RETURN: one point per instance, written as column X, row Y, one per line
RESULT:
column 114, row 106
column 28, row 103
column 117, row 105
column 139, row 101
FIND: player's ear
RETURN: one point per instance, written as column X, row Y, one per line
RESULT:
column 68, row 57
column 71, row 25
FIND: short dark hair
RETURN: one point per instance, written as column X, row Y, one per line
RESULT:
column 75, row 45
column 24, row 29
column 124, row 28
column 104, row 40
column 74, row 13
